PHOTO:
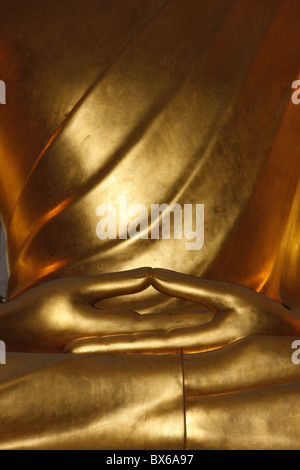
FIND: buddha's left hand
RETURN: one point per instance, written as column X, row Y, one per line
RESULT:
column 239, row 312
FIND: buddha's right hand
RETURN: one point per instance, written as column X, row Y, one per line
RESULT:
column 50, row 316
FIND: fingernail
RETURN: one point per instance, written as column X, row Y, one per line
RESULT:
column 162, row 274
column 141, row 273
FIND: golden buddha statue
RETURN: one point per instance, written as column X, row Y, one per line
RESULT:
column 158, row 102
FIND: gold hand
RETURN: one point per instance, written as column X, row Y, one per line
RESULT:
column 50, row 316
column 239, row 312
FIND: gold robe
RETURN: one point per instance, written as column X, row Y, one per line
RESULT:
column 165, row 102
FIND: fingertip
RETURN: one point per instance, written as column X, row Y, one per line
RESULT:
column 80, row 346
column 141, row 273
column 69, row 348
column 162, row 274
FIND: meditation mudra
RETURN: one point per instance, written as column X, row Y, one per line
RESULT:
column 139, row 343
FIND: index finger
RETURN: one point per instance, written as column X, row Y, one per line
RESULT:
column 215, row 295
column 103, row 286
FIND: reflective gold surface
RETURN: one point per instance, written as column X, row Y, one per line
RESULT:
column 107, row 402
column 161, row 102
